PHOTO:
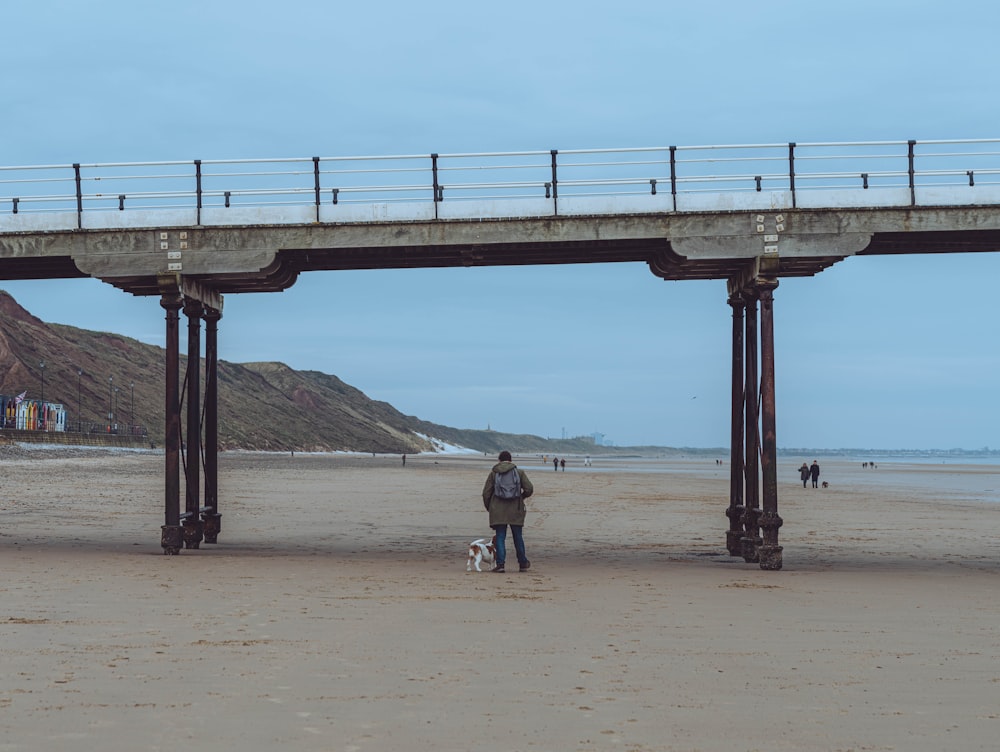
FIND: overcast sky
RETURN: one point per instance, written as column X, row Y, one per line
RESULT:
column 897, row 352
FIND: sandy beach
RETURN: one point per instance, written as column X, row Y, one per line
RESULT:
column 336, row 613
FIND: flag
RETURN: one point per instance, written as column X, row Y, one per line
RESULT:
column 20, row 398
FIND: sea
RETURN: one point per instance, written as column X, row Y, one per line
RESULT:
column 936, row 476
column 984, row 456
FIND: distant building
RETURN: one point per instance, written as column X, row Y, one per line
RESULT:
column 598, row 438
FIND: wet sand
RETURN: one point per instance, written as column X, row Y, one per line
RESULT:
column 336, row 613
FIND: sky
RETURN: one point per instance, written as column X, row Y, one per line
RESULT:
column 875, row 352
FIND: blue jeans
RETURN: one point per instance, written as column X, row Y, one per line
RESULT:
column 517, row 532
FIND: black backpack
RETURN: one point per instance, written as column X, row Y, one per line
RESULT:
column 507, row 485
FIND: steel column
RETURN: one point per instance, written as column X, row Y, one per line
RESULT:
column 751, row 512
column 769, row 552
column 736, row 508
column 211, row 519
column 171, row 536
column 193, row 532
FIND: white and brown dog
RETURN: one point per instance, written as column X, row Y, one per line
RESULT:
column 482, row 551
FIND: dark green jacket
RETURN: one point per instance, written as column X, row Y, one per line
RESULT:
column 506, row 511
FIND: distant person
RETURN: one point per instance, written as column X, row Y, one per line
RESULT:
column 555, row 464
column 814, row 473
column 503, row 496
column 586, row 461
column 804, row 473
column 562, row 464
column 404, row 460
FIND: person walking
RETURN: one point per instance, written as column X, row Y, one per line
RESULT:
column 804, row 473
column 814, row 473
column 555, row 464
column 503, row 496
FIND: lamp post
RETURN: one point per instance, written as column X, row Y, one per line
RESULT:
column 131, row 412
column 116, row 410
column 40, row 420
column 79, row 409
column 111, row 414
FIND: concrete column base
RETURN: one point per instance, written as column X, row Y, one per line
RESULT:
column 734, row 542
column 171, row 538
column 770, row 557
column 192, row 534
column 750, row 548
column 735, row 532
column 211, row 526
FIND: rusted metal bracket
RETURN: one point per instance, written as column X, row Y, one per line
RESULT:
column 760, row 271
column 190, row 289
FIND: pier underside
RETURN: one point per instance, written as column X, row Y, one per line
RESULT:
column 191, row 269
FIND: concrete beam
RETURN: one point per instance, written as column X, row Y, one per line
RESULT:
column 707, row 245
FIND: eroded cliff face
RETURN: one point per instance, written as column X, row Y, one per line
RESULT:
column 262, row 406
column 265, row 406
column 21, row 336
column 11, row 309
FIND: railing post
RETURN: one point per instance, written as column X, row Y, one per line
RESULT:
column 316, row 184
column 791, row 170
column 434, row 175
column 555, row 183
column 909, row 156
column 673, row 175
column 79, row 196
column 197, row 187
column 434, row 183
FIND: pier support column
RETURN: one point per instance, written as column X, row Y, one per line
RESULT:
column 211, row 519
column 193, row 533
column 769, row 552
column 736, row 509
column 171, row 536
column 751, row 512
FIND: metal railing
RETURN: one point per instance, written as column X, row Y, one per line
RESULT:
column 669, row 178
column 136, row 430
